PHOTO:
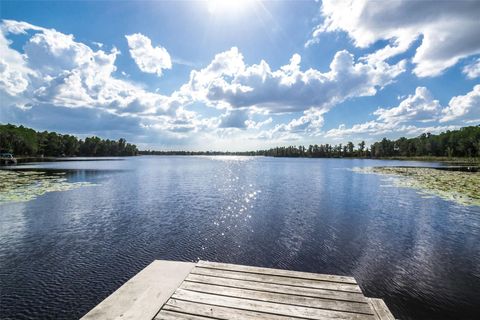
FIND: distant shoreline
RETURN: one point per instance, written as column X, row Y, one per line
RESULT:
column 23, row 160
column 452, row 160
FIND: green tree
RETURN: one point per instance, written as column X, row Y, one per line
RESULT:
column 350, row 147
column 361, row 148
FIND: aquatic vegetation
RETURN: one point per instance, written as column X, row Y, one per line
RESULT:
column 458, row 186
column 17, row 186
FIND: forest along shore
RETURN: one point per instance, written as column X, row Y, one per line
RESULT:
column 64, row 159
column 456, row 145
column 24, row 142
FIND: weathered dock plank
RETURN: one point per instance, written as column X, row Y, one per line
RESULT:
column 381, row 310
column 276, row 272
column 266, row 307
column 167, row 290
column 217, row 312
column 142, row 296
column 298, row 282
column 279, row 298
column 171, row 315
column 278, row 288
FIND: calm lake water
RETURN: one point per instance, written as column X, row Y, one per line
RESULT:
column 64, row 252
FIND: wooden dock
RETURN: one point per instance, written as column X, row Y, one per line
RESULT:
column 167, row 290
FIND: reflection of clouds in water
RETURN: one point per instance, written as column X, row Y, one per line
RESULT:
column 424, row 258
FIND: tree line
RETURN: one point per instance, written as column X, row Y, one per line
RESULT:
column 464, row 142
column 22, row 141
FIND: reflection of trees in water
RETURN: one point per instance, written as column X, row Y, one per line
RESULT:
column 84, row 175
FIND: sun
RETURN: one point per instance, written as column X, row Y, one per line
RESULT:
column 228, row 6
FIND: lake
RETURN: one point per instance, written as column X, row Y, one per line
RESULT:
column 63, row 252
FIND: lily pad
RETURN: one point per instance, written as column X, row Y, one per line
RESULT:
column 458, row 186
column 19, row 186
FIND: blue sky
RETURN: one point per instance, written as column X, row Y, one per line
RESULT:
column 240, row 74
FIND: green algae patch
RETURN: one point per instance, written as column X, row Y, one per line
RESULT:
column 20, row 186
column 460, row 187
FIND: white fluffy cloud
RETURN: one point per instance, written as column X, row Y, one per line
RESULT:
column 472, row 70
column 148, row 58
column 224, row 64
column 56, row 74
column 418, row 107
column 415, row 110
column 60, row 71
column 380, row 129
column 14, row 73
column 228, row 82
column 310, row 123
column 447, row 30
column 466, row 107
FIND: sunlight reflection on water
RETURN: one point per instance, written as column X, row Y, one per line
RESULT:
column 229, row 158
